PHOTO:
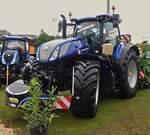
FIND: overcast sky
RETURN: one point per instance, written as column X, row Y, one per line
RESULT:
column 30, row 16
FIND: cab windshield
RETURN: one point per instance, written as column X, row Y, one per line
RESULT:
column 88, row 29
column 14, row 45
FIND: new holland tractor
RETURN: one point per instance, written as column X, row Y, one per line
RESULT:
column 96, row 59
column 15, row 52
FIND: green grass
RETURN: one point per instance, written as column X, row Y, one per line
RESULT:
column 115, row 116
column 9, row 115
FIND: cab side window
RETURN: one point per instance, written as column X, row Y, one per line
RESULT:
column 110, row 33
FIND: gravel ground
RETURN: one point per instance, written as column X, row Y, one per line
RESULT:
column 6, row 131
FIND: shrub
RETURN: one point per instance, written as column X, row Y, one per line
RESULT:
column 39, row 114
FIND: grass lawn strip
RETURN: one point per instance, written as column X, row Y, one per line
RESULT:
column 115, row 116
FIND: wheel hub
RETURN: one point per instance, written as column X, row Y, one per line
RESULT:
column 97, row 90
column 132, row 73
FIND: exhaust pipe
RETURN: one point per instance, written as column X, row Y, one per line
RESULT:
column 64, row 26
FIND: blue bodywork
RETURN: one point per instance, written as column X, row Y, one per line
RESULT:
column 76, row 46
column 118, row 51
column 66, row 48
column 29, row 97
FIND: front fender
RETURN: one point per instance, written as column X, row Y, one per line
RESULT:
column 120, row 52
column 89, row 57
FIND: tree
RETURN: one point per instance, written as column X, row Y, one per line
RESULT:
column 44, row 37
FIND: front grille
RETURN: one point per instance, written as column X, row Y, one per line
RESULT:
column 8, row 57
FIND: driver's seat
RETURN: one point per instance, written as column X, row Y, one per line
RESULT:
column 21, row 54
column 93, row 45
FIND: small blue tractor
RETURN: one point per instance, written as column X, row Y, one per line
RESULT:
column 96, row 59
column 14, row 54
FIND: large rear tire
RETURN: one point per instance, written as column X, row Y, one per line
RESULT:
column 129, row 77
column 86, row 82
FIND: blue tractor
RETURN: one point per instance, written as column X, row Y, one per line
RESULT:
column 95, row 59
column 14, row 54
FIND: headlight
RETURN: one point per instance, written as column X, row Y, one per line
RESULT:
column 13, row 61
column 3, row 61
column 14, row 58
column 55, row 54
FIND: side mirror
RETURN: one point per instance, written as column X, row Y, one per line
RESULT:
column 126, row 38
column 116, row 20
column 60, row 24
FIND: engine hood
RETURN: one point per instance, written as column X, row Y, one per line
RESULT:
column 46, row 50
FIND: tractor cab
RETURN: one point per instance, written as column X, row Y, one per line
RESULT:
column 22, row 45
column 16, row 50
column 99, row 31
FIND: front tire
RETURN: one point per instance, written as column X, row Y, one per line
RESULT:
column 86, row 84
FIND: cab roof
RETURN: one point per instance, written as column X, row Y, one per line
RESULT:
column 101, row 17
column 14, row 37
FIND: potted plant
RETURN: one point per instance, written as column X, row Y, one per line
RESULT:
column 38, row 114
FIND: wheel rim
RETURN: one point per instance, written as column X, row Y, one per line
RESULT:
column 132, row 73
column 97, row 89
